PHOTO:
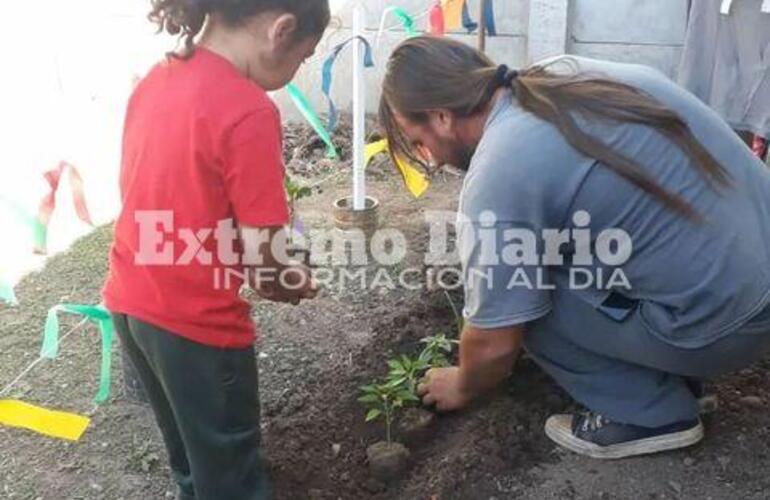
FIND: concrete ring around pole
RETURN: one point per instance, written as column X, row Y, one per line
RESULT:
column 347, row 219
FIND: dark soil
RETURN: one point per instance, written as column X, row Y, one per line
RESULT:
column 312, row 360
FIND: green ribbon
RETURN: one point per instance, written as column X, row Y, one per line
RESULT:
column 312, row 118
column 37, row 229
column 96, row 314
column 7, row 294
column 406, row 20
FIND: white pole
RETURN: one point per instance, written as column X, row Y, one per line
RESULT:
column 359, row 111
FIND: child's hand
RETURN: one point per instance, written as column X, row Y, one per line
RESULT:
column 293, row 285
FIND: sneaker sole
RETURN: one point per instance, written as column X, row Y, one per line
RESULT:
column 558, row 429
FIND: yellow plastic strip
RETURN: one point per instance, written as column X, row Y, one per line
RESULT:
column 415, row 180
column 453, row 14
column 373, row 149
column 56, row 424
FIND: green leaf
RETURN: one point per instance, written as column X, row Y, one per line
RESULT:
column 392, row 384
column 373, row 414
column 369, row 398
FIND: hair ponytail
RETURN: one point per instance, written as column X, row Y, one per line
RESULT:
column 186, row 18
column 468, row 81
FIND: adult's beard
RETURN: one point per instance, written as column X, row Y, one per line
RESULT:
column 462, row 156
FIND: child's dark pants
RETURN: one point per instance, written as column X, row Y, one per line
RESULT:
column 206, row 402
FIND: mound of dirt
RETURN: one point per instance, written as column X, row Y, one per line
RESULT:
column 313, row 359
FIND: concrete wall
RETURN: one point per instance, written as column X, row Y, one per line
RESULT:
column 649, row 31
column 509, row 47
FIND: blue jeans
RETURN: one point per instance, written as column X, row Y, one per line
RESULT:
column 623, row 371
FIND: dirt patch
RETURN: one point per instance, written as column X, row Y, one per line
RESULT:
column 312, row 360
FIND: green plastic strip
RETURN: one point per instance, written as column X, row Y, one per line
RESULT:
column 50, row 347
column 312, row 118
column 39, row 232
column 406, row 20
column 96, row 314
column 108, row 334
column 7, row 294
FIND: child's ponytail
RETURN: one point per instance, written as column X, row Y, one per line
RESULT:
column 186, row 18
column 180, row 17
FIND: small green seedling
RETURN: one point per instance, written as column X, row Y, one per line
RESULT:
column 294, row 193
column 384, row 400
column 436, row 351
column 400, row 386
column 407, row 371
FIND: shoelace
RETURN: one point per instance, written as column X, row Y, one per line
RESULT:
column 593, row 422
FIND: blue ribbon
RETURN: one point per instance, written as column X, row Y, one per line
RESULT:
column 489, row 16
column 469, row 24
column 328, row 66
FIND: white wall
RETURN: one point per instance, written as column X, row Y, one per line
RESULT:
column 648, row 32
column 645, row 31
column 509, row 47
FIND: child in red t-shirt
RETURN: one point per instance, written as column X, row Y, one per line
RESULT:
column 203, row 207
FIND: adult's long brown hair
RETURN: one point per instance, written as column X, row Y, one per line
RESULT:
column 428, row 73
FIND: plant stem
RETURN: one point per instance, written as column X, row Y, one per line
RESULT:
column 458, row 318
column 388, row 422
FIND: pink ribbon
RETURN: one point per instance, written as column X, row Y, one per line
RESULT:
column 48, row 204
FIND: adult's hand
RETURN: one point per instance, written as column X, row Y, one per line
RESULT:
column 442, row 387
column 486, row 359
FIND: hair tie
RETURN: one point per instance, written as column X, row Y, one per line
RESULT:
column 505, row 75
column 201, row 5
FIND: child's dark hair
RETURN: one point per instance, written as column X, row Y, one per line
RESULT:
column 187, row 17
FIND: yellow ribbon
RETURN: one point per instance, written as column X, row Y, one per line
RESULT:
column 453, row 14
column 56, row 424
column 415, row 181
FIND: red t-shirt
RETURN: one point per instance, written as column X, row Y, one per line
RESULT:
column 202, row 144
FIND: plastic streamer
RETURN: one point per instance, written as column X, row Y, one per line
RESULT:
column 98, row 315
column 7, row 294
column 60, row 425
column 415, row 181
column 328, row 66
column 468, row 23
column 406, row 21
column 48, row 204
column 489, row 18
column 37, row 230
column 436, row 18
column 453, row 16
column 304, row 106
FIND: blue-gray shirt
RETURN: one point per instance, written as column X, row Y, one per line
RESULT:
column 694, row 282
